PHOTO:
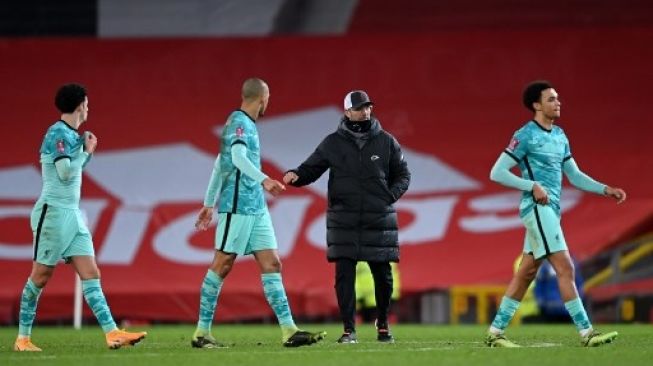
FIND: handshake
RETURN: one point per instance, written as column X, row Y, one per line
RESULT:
column 274, row 187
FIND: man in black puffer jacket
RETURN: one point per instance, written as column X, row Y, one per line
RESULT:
column 367, row 175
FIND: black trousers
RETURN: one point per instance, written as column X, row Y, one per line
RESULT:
column 346, row 292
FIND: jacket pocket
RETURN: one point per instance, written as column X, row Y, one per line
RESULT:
column 384, row 187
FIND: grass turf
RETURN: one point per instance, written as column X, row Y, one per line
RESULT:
column 260, row 345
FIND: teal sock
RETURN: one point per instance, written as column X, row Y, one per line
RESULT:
column 578, row 315
column 98, row 304
column 28, row 301
column 208, row 299
column 506, row 311
column 275, row 293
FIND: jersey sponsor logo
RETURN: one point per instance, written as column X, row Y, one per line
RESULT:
column 374, row 157
column 513, row 144
column 60, row 146
column 240, row 132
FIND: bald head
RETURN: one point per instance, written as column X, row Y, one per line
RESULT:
column 255, row 97
column 254, row 88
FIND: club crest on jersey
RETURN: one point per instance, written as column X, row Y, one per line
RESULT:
column 513, row 144
column 240, row 132
column 60, row 146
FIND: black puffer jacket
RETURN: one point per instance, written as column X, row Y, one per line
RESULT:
column 367, row 174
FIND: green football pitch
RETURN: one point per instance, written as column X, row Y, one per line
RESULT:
column 260, row 345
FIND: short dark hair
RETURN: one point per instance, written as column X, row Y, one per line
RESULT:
column 69, row 97
column 533, row 92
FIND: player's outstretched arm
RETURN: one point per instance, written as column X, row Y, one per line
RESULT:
column 240, row 161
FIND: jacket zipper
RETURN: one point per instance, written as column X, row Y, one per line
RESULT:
column 360, row 207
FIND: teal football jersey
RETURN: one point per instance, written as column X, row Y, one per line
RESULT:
column 540, row 154
column 61, row 141
column 240, row 194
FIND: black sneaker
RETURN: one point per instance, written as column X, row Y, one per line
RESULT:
column 348, row 337
column 206, row 342
column 304, row 338
column 383, row 333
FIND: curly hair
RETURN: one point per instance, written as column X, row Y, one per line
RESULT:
column 69, row 97
column 533, row 93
